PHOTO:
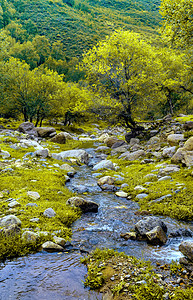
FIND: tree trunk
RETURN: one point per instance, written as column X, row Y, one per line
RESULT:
column 25, row 114
column 37, row 118
column 42, row 118
column 170, row 101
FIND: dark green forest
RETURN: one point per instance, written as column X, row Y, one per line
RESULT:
column 80, row 24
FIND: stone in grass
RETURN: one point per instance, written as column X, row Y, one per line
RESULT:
column 84, row 205
column 71, row 171
column 34, row 220
column 165, row 178
column 14, row 204
column 49, row 213
column 141, row 196
column 33, row 195
column 104, row 164
column 12, row 230
column 9, row 220
column 106, row 180
column 29, row 236
column 121, row 194
column 51, row 246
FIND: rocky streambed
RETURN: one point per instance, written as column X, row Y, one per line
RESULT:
column 60, row 274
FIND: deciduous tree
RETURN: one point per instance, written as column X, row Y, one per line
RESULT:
column 126, row 68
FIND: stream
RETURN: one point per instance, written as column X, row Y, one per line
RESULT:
column 60, row 275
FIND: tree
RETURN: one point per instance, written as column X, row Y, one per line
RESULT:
column 6, row 42
column 172, row 73
column 70, row 101
column 177, row 28
column 26, row 52
column 178, row 22
column 30, row 93
column 7, row 13
column 17, row 32
column 124, row 67
column 42, row 46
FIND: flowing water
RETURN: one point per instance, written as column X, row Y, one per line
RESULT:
column 60, row 275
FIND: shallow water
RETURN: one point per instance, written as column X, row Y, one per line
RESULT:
column 44, row 276
column 47, row 276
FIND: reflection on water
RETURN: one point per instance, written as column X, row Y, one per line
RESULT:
column 45, row 276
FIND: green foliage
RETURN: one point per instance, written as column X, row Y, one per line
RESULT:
column 177, row 21
column 80, row 24
column 14, row 246
column 125, row 68
column 149, row 291
column 175, row 268
column 186, row 294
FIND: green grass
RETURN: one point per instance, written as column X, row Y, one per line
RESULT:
column 104, row 264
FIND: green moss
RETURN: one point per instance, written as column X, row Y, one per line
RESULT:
column 185, row 119
column 14, row 246
column 101, row 263
column 186, row 294
column 180, row 204
column 47, row 183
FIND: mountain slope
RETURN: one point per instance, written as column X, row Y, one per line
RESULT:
column 80, row 24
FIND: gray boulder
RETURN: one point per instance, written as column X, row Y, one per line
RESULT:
column 28, row 128
column 45, row 131
column 188, row 146
column 59, row 241
column 4, row 154
column 106, row 180
column 156, row 236
column 187, row 249
column 10, row 220
column 49, row 213
column 33, row 195
column 59, row 138
column 29, row 236
column 169, row 151
column 174, row 139
column 104, row 164
column 71, row 171
column 147, row 224
column 132, row 156
column 11, row 230
column 84, row 205
column 81, row 155
column 42, row 153
column 51, row 246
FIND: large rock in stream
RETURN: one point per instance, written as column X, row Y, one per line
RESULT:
column 104, row 164
column 187, row 249
column 84, row 205
column 152, row 229
column 149, row 223
column 80, row 154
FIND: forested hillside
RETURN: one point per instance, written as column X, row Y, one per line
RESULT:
column 64, row 58
column 80, row 24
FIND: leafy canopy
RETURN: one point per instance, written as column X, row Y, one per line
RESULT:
column 126, row 68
